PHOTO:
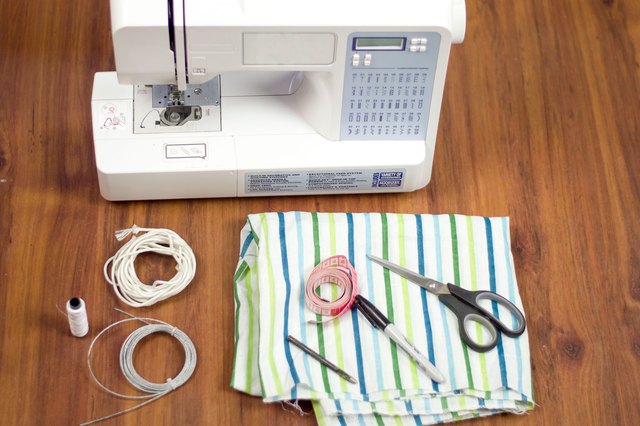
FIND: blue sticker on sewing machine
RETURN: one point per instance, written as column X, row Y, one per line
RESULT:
column 387, row 180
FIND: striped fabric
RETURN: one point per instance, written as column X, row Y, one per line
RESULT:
column 279, row 250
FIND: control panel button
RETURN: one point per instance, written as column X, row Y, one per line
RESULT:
column 423, row 48
column 195, row 150
column 423, row 41
column 355, row 60
column 415, row 41
column 367, row 59
column 414, row 48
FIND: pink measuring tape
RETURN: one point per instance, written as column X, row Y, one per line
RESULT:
column 336, row 270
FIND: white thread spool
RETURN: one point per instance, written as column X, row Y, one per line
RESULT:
column 77, row 314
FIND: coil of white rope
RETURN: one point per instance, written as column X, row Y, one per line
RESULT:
column 154, row 390
column 123, row 277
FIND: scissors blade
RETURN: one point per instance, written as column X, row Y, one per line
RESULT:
column 432, row 286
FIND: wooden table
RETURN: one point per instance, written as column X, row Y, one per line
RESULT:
column 540, row 122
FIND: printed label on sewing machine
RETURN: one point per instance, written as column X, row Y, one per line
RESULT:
column 194, row 150
column 112, row 116
column 325, row 180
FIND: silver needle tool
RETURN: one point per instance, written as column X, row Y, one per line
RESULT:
column 322, row 360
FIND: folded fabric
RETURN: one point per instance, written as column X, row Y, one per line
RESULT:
column 279, row 250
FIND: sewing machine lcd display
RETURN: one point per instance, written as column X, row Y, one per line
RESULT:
column 466, row 306
column 379, row 43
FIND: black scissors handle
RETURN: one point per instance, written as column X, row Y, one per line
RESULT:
column 465, row 305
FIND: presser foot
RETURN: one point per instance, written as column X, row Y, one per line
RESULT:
column 165, row 109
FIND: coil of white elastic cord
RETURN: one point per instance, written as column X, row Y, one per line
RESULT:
column 338, row 271
column 123, row 277
column 129, row 371
column 154, row 390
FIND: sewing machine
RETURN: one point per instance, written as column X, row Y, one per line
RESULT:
column 234, row 98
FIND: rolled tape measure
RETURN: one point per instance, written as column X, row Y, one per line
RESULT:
column 338, row 271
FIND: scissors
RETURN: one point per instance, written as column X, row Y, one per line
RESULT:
column 465, row 305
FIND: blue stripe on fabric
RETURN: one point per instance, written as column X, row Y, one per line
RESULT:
column 423, row 296
column 371, row 297
column 409, row 406
column 341, row 419
column 443, row 313
column 427, row 405
column 246, row 244
column 512, row 298
column 336, row 402
column 301, row 307
column 354, row 312
column 494, row 305
column 287, row 280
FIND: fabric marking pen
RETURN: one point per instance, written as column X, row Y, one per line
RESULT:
column 378, row 320
column 322, row 360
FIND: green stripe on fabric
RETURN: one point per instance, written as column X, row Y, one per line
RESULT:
column 253, row 232
column 389, row 400
column 316, row 238
column 272, row 306
column 319, row 412
column 241, row 270
column 474, row 286
column 456, row 277
column 378, row 418
column 236, row 336
column 336, row 323
column 408, row 323
column 250, row 331
column 388, row 294
column 445, row 403
column 262, row 392
column 532, row 395
column 319, row 327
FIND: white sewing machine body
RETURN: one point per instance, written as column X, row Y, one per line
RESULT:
column 271, row 97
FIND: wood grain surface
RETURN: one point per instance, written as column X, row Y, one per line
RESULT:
column 540, row 121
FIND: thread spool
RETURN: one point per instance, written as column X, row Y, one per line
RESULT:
column 77, row 314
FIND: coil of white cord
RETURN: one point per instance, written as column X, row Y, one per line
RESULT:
column 154, row 390
column 123, row 277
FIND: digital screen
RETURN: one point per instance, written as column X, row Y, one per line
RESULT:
column 382, row 43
